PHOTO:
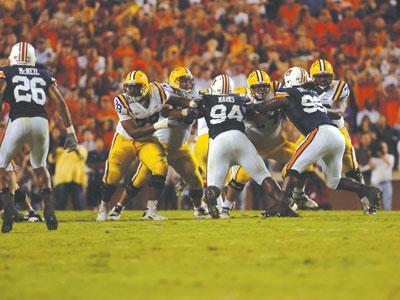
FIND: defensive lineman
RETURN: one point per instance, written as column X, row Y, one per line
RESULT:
column 323, row 142
column 26, row 88
column 228, row 143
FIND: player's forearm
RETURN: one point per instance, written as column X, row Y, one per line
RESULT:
column 3, row 85
column 65, row 115
column 142, row 132
column 273, row 104
column 169, row 111
column 334, row 113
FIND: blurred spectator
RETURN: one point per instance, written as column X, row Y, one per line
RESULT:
column 44, row 54
column 381, row 165
column 370, row 112
column 363, row 155
column 69, row 177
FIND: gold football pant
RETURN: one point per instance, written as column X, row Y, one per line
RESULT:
column 280, row 150
column 183, row 162
column 201, row 153
column 124, row 151
column 349, row 156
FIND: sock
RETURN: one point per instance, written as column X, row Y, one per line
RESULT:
column 152, row 204
column 228, row 204
column 46, row 194
column 119, row 204
column 298, row 190
column 220, row 201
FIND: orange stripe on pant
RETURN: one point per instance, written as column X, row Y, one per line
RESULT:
column 302, row 147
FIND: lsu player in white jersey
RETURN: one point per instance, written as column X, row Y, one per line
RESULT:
column 334, row 96
column 138, row 109
column 265, row 132
column 175, row 143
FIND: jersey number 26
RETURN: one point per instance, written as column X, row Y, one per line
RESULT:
column 27, row 89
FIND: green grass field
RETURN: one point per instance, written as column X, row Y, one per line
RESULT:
column 323, row 255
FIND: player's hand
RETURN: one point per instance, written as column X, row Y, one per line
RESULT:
column 166, row 123
column 71, row 142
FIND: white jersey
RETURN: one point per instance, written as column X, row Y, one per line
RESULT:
column 338, row 90
column 262, row 133
column 143, row 116
column 173, row 137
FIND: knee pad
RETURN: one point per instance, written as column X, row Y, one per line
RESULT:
column 212, row 194
column 157, row 181
column 236, row 185
column 20, row 196
column 356, row 175
column 332, row 182
column 131, row 190
column 107, row 190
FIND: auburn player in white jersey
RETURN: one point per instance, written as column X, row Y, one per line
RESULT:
column 175, row 143
column 334, row 95
column 265, row 132
column 27, row 88
column 138, row 109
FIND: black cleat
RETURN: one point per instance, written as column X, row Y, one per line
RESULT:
column 281, row 209
column 8, row 219
column 374, row 196
column 50, row 217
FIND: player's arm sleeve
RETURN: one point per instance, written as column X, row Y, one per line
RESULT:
column 279, row 101
column 340, row 101
column 50, row 79
column 121, row 108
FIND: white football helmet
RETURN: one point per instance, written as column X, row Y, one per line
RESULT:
column 222, row 85
column 296, row 76
column 22, row 53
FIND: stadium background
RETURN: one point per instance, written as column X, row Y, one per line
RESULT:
column 91, row 45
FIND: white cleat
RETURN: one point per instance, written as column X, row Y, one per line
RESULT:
column 202, row 212
column 116, row 213
column 153, row 214
column 102, row 215
column 225, row 213
column 293, row 206
column 303, row 201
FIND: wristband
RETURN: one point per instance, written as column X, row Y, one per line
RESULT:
column 184, row 112
column 70, row 129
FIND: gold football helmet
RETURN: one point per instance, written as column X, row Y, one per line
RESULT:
column 181, row 80
column 321, row 71
column 241, row 90
column 259, row 84
column 136, row 85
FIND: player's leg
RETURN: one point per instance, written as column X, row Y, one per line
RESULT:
column 152, row 155
column 201, row 153
column 283, row 153
column 370, row 196
column 248, row 157
column 122, row 153
column 239, row 178
column 39, row 145
column 184, row 163
column 349, row 158
column 220, row 158
column 11, row 143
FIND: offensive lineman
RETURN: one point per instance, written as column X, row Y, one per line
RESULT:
column 265, row 132
column 174, row 142
column 324, row 142
column 228, row 145
column 138, row 109
column 26, row 88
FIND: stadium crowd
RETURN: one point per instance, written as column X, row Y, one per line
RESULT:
column 91, row 45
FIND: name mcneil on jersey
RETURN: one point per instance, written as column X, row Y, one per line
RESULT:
column 223, row 99
column 28, row 71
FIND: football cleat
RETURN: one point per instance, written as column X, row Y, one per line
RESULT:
column 50, row 218
column 281, row 209
column 102, row 215
column 202, row 212
column 116, row 213
column 225, row 213
column 303, row 201
column 153, row 214
column 32, row 216
column 373, row 197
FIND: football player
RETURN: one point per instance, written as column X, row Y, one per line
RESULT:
column 175, row 143
column 228, row 144
column 334, row 96
column 27, row 88
column 138, row 109
column 324, row 142
column 265, row 132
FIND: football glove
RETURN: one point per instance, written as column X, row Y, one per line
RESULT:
column 71, row 142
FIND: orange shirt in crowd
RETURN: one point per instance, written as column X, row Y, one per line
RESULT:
column 392, row 111
column 289, row 12
column 366, row 92
column 121, row 52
